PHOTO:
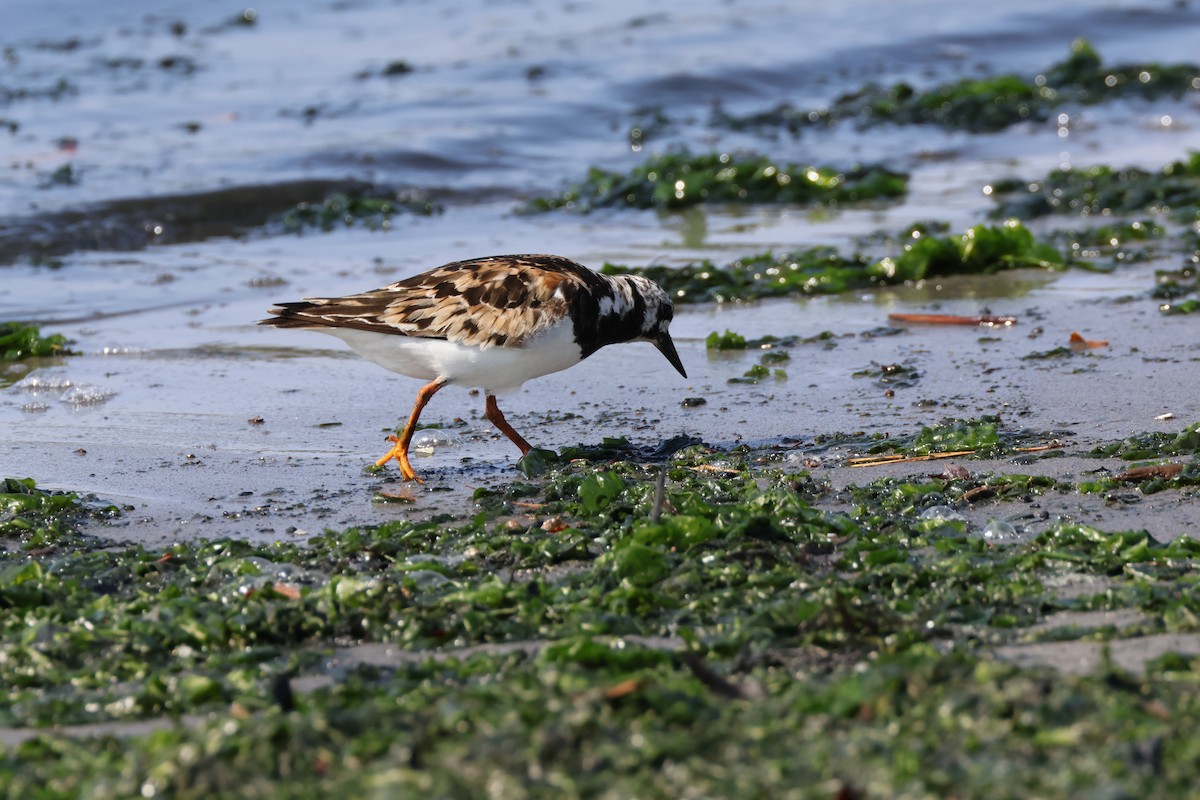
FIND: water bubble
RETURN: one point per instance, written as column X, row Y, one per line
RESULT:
column 87, row 395
column 285, row 573
column 997, row 530
column 430, row 439
column 35, row 408
column 942, row 514
column 426, row 577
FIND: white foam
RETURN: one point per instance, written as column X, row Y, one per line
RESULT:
column 87, row 395
column 39, row 384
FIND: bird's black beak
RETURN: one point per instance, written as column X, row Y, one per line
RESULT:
column 667, row 348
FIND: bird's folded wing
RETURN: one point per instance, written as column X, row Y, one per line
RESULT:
column 484, row 303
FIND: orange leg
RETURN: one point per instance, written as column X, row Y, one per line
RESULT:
column 497, row 418
column 400, row 449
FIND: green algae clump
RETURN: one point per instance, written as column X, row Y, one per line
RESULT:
column 822, row 270
column 1153, row 444
column 373, row 208
column 989, row 104
column 681, row 179
column 19, row 341
column 1102, row 190
column 981, row 249
column 699, row 612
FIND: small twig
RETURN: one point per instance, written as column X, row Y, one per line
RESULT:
column 872, row 460
column 897, row 458
column 875, row 461
column 281, row 691
column 660, row 490
column 1055, row 445
column 714, row 468
column 1164, row 471
column 954, row 319
column 979, row 491
column 625, row 687
column 719, row 685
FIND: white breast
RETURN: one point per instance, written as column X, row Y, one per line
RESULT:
column 494, row 369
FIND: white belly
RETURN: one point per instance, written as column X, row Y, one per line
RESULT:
column 495, row 369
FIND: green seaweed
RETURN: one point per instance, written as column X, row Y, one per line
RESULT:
column 1152, row 483
column 759, row 372
column 821, row 270
column 770, row 357
column 56, row 91
column 1153, row 445
column 1175, row 283
column 918, row 724
column 38, row 518
column 890, row 376
column 680, row 179
column 19, row 341
column 817, row 270
column 397, row 68
column 579, row 633
column 1189, row 306
column 908, row 497
column 1103, row 190
column 64, row 175
column 1113, row 235
column 1052, row 353
column 1172, row 287
column 373, row 208
column 725, row 341
column 979, row 435
column 984, row 104
column 980, row 249
column 982, row 437
column 1127, row 242
column 650, row 122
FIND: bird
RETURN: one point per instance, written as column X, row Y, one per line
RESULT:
column 490, row 323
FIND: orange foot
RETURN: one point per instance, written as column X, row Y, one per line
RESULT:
column 399, row 452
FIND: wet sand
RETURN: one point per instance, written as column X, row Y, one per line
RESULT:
column 181, row 442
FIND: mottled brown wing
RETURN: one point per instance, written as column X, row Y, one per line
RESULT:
column 497, row 301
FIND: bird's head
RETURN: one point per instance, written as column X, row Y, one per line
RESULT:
column 656, row 318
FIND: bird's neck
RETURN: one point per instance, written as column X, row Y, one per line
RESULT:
column 610, row 316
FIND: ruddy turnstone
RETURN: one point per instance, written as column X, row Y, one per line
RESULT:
column 491, row 323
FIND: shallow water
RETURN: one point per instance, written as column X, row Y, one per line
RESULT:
column 507, row 100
